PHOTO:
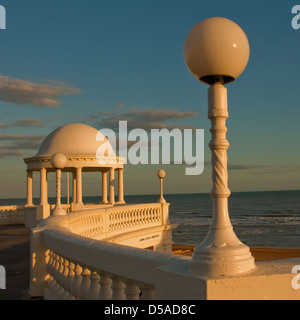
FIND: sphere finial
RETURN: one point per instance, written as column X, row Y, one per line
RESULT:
column 216, row 50
column 161, row 174
column 58, row 161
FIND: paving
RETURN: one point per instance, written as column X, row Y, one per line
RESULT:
column 15, row 258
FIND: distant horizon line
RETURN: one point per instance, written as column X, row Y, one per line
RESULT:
column 166, row 194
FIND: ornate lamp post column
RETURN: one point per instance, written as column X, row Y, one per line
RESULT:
column 217, row 51
column 58, row 161
column 161, row 174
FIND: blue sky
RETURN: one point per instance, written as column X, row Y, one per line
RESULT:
column 86, row 61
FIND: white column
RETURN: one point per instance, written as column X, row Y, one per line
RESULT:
column 161, row 174
column 74, row 188
column 68, row 188
column 121, row 186
column 58, row 210
column 29, row 188
column 104, row 187
column 43, row 187
column 79, row 186
column 111, row 185
column 221, row 253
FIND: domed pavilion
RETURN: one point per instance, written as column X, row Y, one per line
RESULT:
column 79, row 143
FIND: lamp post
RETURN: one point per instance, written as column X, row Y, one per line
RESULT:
column 58, row 161
column 161, row 174
column 216, row 51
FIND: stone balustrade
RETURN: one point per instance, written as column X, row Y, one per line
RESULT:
column 74, row 257
column 12, row 215
column 112, row 221
column 84, row 269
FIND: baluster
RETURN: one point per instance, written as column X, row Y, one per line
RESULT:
column 76, row 283
column 98, row 225
column 129, row 218
column 70, row 279
column 125, row 219
column 132, row 291
column 85, row 284
column 65, row 295
column 118, row 219
column 55, row 273
column 94, row 287
column 50, row 265
column 113, row 221
column 105, row 292
column 134, row 217
column 118, row 287
column 139, row 216
column 148, row 292
column 49, row 282
column 158, row 214
column 60, row 278
column 121, row 222
column 152, row 215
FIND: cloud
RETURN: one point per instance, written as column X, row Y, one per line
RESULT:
column 14, row 145
column 26, row 123
column 146, row 119
column 120, row 105
column 39, row 95
column 246, row 167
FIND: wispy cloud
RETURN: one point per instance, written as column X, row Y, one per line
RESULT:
column 39, row 95
column 246, row 167
column 15, row 145
column 146, row 119
column 26, row 123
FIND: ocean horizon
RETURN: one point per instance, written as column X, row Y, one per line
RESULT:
column 259, row 218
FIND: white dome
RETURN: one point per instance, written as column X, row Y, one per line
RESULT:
column 73, row 139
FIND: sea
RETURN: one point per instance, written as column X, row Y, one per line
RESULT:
column 259, row 219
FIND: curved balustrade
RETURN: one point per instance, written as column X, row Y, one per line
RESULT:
column 80, row 268
column 109, row 222
column 12, row 215
column 70, row 260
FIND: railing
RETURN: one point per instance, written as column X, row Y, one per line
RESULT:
column 80, row 268
column 108, row 222
column 70, row 262
column 12, row 215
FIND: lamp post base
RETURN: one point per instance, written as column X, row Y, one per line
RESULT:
column 59, row 211
column 222, row 254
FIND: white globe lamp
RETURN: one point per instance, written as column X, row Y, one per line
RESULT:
column 216, row 52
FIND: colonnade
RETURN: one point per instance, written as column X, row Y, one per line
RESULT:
column 108, row 187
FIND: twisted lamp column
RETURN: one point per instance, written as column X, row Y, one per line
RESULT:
column 221, row 253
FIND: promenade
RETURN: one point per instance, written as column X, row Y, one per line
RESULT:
column 15, row 257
